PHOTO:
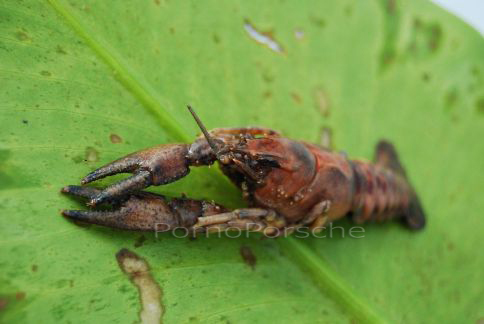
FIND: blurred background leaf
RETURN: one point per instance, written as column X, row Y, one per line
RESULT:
column 84, row 83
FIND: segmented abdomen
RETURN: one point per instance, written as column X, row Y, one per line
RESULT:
column 379, row 193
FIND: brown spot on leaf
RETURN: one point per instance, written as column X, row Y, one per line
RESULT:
column 45, row 73
column 426, row 38
column 388, row 56
column 248, row 256
column 34, row 268
column 150, row 292
column 216, row 38
column 450, row 246
column 435, row 37
column 115, row 138
column 296, row 97
column 3, row 303
column 391, row 6
column 20, row 295
column 157, row 2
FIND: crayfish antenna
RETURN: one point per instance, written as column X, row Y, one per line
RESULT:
column 210, row 140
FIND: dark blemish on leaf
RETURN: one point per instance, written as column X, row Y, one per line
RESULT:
column 425, row 39
column 349, row 10
column 450, row 246
column 435, row 37
column 391, row 29
column 267, row 94
column 62, row 283
column 216, row 38
column 77, row 159
column 140, row 241
column 480, row 105
column 296, row 97
column 157, row 2
column 268, row 77
column 450, row 99
column 388, row 57
column 322, row 102
column 45, row 73
column 391, row 6
column 60, row 50
column 326, row 138
column 22, row 36
column 123, row 289
column 265, row 38
column 318, row 22
column 192, row 319
column 172, row 30
column 150, row 292
column 115, row 138
column 34, row 268
column 417, row 23
column 91, row 154
column 248, row 256
column 3, row 303
column 426, row 77
column 25, row 121
column 475, row 71
column 20, row 295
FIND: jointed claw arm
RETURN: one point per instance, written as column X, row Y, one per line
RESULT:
column 154, row 166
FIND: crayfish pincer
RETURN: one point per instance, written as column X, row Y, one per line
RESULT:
column 287, row 184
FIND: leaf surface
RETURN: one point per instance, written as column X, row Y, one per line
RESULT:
column 83, row 84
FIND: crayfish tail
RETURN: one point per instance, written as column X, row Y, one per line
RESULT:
column 383, row 190
column 414, row 215
column 386, row 156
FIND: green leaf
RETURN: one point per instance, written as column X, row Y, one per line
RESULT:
column 83, row 84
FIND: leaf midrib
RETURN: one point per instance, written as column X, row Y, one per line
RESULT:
column 305, row 258
column 166, row 121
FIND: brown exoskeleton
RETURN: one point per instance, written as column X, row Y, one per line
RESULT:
column 287, row 184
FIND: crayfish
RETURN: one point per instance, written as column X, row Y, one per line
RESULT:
column 287, row 184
